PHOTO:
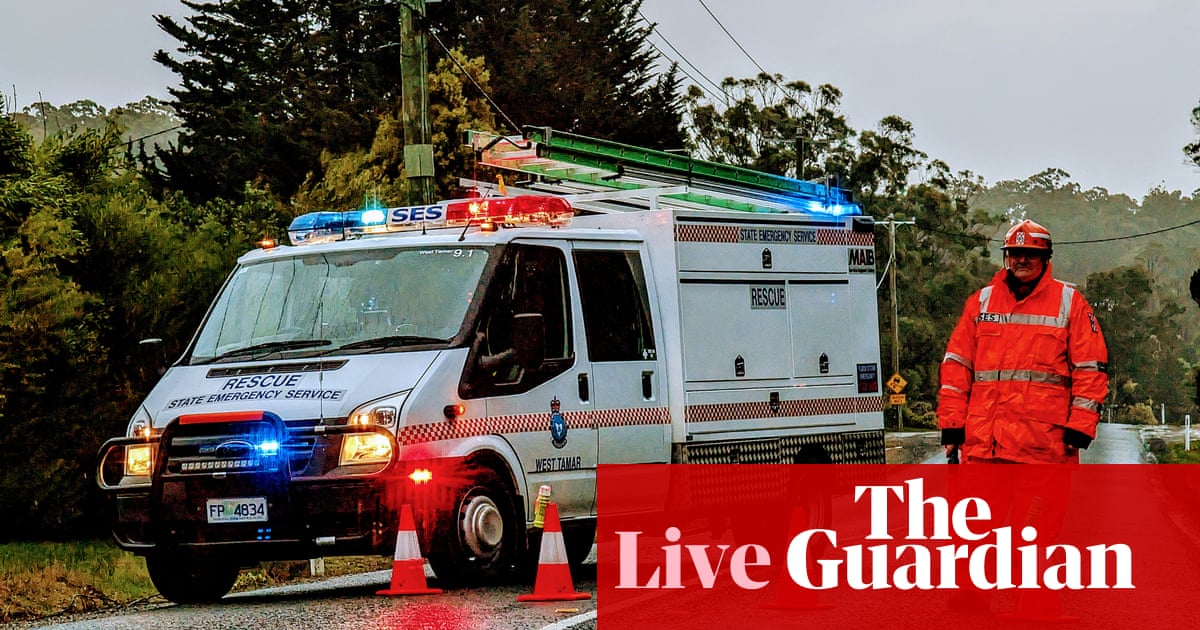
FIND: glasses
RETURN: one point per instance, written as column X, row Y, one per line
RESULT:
column 1023, row 254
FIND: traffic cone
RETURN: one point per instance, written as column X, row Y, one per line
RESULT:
column 408, row 567
column 553, row 581
column 788, row 594
column 1039, row 604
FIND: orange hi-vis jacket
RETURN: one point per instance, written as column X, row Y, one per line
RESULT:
column 1016, row 373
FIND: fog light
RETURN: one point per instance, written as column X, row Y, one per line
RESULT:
column 139, row 460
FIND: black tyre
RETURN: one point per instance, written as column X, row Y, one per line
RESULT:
column 476, row 542
column 578, row 540
column 191, row 579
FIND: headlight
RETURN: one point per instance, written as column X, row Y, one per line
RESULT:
column 365, row 448
column 140, row 425
column 139, row 460
column 382, row 412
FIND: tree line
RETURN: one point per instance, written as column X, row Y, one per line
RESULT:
column 117, row 226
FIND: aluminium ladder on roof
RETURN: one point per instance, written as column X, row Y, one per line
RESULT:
column 590, row 169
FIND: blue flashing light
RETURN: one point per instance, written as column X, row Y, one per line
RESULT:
column 268, row 448
column 834, row 203
column 325, row 227
column 316, row 227
column 374, row 216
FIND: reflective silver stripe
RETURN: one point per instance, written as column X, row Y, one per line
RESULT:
column 985, row 296
column 1064, row 311
column 1032, row 376
column 953, row 389
column 1064, row 306
column 958, row 358
column 1036, row 320
column 1084, row 403
column 1094, row 366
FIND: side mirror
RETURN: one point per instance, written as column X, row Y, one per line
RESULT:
column 529, row 339
column 153, row 359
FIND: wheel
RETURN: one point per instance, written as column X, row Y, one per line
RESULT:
column 191, row 579
column 578, row 540
column 475, row 541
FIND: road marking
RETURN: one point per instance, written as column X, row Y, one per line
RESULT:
column 570, row 622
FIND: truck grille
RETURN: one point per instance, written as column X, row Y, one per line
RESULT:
column 235, row 447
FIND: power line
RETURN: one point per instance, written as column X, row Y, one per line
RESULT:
column 654, row 29
column 151, row 135
column 976, row 237
column 515, row 127
column 715, row 96
column 735, row 40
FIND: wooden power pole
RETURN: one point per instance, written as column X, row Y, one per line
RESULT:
column 414, row 91
column 892, row 264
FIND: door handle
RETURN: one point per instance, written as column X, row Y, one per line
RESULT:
column 647, row 385
column 583, row 387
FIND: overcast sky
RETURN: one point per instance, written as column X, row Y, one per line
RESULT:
column 1102, row 89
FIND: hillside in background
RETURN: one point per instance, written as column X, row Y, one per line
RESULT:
column 149, row 121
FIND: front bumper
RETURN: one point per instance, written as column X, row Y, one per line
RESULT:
column 313, row 506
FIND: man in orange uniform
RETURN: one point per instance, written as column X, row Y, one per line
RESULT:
column 1024, row 375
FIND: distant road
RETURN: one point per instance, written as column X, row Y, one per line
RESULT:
column 1114, row 444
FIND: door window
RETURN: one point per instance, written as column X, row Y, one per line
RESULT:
column 616, row 312
column 530, row 279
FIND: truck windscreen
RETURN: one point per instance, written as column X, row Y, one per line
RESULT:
column 357, row 301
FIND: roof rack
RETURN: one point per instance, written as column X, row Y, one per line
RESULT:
column 581, row 165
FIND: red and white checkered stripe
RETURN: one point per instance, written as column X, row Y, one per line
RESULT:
column 608, row 418
column 527, row 423
column 787, row 408
column 732, row 234
column 706, row 233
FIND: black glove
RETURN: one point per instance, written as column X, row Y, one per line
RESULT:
column 954, row 436
column 1078, row 439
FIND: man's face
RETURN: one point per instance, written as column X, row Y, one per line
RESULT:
column 1025, row 264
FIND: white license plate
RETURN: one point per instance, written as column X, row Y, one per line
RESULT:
column 237, row 510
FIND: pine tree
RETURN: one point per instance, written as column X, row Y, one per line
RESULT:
column 583, row 66
column 266, row 86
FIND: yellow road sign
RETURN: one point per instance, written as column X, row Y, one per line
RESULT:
column 896, row 383
column 897, row 399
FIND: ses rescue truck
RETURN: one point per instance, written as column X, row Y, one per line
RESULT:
column 624, row 306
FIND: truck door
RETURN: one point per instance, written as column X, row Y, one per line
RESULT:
column 626, row 380
column 538, row 407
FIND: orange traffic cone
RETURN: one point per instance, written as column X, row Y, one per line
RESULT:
column 408, row 567
column 553, row 581
column 788, row 594
column 1039, row 604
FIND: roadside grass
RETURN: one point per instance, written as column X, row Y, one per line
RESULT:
column 45, row 579
column 1174, row 453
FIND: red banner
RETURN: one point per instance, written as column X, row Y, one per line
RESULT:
column 851, row 546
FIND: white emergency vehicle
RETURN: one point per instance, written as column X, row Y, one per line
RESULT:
column 613, row 305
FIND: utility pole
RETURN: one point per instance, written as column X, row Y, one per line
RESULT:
column 414, row 92
column 892, row 264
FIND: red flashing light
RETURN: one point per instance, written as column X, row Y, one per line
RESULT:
column 522, row 209
column 267, row 243
column 421, row 476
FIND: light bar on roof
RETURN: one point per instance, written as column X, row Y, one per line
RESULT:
column 530, row 210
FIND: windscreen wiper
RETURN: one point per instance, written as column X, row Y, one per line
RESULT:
column 271, row 346
column 392, row 341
